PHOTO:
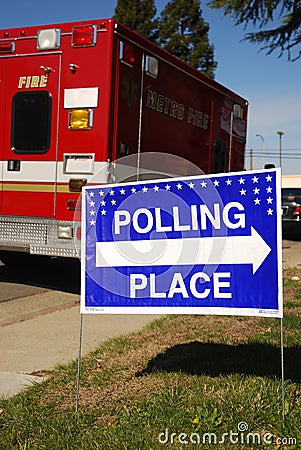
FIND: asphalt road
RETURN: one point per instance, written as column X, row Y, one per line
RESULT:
column 291, row 253
column 57, row 274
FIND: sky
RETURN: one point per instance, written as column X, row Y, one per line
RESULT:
column 270, row 84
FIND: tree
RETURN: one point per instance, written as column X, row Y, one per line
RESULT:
column 137, row 15
column 180, row 29
column 183, row 32
column 285, row 37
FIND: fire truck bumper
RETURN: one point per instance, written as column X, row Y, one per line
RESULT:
column 40, row 236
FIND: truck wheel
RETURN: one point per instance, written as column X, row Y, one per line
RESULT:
column 23, row 261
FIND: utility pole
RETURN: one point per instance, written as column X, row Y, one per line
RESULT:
column 280, row 134
column 262, row 149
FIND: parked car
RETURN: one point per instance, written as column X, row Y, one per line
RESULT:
column 291, row 210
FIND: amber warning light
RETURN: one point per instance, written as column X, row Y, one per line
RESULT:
column 84, row 36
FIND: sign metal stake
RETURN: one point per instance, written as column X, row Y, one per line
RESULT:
column 282, row 369
column 79, row 361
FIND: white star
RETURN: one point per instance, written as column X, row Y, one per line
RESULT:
column 156, row 188
column 144, row 189
column 241, row 180
column 167, row 187
column 92, row 212
column 228, row 182
column 103, row 203
column 203, row 184
column 191, row 185
column 122, row 191
column 269, row 189
column 257, row 201
column 133, row 190
column 216, row 183
column 92, row 204
column 268, row 178
column 256, row 191
column 111, row 192
column 101, row 193
column 255, row 179
column 269, row 200
column 270, row 212
column 91, row 194
column 179, row 186
column 92, row 222
column 243, row 191
column 103, row 212
column 113, row 202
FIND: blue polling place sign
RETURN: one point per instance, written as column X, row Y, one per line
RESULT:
column 207, row 244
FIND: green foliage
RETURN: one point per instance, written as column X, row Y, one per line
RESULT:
column 285, row 37
column 180, row 29
column 183, row 32
column 137, row 15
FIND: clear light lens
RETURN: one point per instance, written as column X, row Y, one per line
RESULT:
column 80, row 119
column 237, row 111
column 48, row 39
column 64, row 232
column 152, row 66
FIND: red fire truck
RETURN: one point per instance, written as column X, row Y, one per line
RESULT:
column 76, row 97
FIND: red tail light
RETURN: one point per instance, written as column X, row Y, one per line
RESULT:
column 297, row 211
column 71, row 205
column 74, row 205
column 127, row 54
column 245, row 114
column 7, row 47
column 84, row 36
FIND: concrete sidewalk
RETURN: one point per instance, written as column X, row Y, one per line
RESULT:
column 46, row 332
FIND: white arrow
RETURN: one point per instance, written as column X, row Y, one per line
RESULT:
column 215, row 250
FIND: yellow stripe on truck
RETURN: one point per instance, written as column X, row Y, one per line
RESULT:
column 30, row 187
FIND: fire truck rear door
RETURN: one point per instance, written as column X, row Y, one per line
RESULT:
column 29, row 96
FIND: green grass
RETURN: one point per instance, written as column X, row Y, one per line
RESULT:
column 181, row 382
